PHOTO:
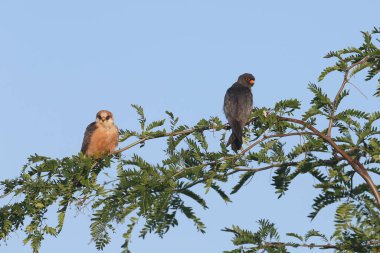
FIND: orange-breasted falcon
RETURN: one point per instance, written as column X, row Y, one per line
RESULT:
column 101, row 137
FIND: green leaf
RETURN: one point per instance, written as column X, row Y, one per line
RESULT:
column 295, row 236
column 155, row 124
column 39, row 205
column 221, row 193
column 315, row 233
column 243, row 179
column 327, row 70
column 195, row 197
column 140, row 112
column 127, row 235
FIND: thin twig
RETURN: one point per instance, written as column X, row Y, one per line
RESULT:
column 312, row 245
column 357, row 88
column 305, row 245
column 276, row 165
column 175, row 133
column 287, row 164
column 345, row 81
column 271, row 136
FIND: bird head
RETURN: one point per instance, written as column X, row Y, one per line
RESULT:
column 105, row 118
column 247, row 80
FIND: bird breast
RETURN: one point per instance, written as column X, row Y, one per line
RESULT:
column 104, row 140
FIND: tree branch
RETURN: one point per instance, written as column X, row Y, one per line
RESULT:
column 295, row 245
column 345, row 81
column 287, row 164
column 309, row 245
column 171, row 134
column 271, row 136
column 242, row 153
column 356, row 165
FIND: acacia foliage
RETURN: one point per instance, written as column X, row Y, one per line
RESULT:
column 340, row 148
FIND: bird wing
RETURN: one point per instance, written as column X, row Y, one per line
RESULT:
column 115, row 139
column 247, row 104
column 237, row 107
column 238, row 103
column 230, row 103
column 87, row 136
column 232, row 110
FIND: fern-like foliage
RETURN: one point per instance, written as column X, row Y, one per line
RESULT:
column 338, row 147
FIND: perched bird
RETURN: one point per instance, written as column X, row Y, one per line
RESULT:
column 237, row 108
column 101, row 137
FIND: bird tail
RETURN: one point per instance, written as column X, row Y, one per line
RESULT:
column 236, row 137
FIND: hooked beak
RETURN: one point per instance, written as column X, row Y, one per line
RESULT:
column 251, row 82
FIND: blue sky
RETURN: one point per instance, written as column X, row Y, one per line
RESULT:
column 62, row 61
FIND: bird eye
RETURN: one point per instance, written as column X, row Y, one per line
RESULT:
column 108, row 117
column 99, row 117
